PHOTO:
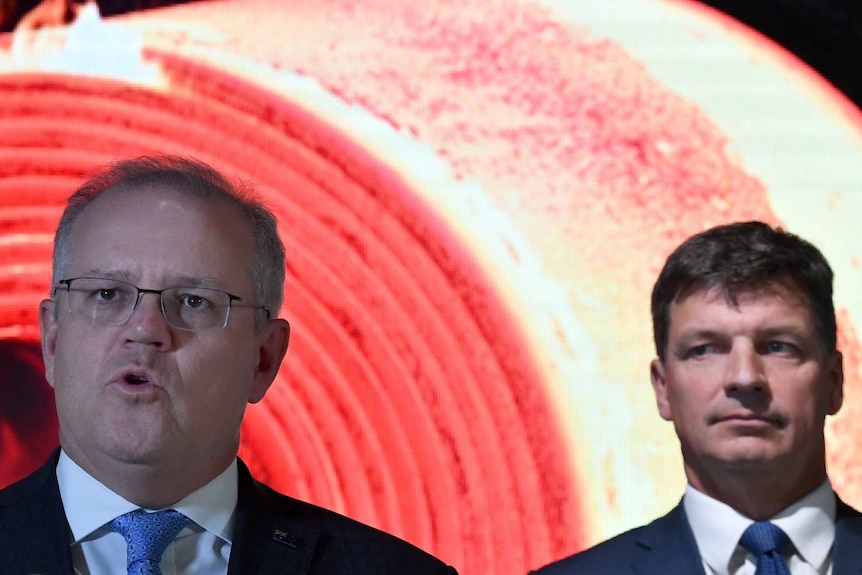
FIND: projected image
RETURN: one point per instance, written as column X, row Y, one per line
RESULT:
column 475, row 199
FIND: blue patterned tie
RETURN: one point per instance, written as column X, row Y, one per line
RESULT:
column 147, row 536
column 765, row 541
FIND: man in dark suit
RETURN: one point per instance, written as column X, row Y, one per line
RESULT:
column 747, row 370
column 160, row 330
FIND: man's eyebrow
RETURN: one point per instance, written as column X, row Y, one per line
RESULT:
column 194, row 281
column 784, row 329
column 698, row 333
column 105, row 273
column 778, row 330
column 171, row 281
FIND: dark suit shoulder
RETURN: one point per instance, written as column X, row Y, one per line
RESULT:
column 664, row 546
column 341, row 544
column 614, row 556
column 34, row 534
column 847, row 549
column 30, row 486
column 371, row 540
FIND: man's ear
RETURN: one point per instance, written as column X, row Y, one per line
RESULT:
column 48, row 328
column 659, row 386
column 273, row 346
column 836, row 383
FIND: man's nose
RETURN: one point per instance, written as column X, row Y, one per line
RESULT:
column 745, row 368
column 148, row 323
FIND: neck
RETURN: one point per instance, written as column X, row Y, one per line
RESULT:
column 147, row 485
column 756, row 493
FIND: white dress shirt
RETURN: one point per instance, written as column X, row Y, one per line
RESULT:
column 202, row 547
column 809, row 523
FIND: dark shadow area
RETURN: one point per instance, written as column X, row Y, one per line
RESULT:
column 825, row 34
column 28, row 419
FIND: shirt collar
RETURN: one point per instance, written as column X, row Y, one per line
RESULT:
column 810, row 524
column 89, row 505
column 717, row 527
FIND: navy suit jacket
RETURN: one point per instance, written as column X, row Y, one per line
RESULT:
column 275, row 534
column 667, row 547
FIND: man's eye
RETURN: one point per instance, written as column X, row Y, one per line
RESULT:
column 195, row 302
column 778, row 347
column 700, row 350
column 106, row 294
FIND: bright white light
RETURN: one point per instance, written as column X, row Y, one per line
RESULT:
column 90, row 46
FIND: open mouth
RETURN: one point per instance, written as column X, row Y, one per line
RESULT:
column 135, row 379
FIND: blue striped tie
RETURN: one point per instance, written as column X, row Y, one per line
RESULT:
column 766, row 541
column 147, row 536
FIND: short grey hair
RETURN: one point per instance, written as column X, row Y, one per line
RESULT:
column 198, row 180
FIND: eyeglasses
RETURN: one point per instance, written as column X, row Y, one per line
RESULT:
column 111, row 302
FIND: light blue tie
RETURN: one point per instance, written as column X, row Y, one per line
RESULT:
column 147, row 536
column 766, row 541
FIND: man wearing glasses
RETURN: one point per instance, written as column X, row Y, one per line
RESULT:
column 160, row 330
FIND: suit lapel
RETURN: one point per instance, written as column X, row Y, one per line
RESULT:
column 847, row 549
column 668, row 546
column 35, row 536
column 267, row 541
column 34, row 533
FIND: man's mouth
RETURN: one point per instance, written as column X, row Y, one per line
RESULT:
column 751, row 419
column 135, row 379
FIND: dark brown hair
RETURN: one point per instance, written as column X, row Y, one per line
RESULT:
column 739, row 257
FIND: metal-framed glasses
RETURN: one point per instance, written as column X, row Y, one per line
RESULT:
column 111, row 302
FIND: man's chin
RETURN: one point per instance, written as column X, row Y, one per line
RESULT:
column 757, row 457
column 747, row 452
column 136, row 451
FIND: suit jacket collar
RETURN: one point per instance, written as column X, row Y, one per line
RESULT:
column 847, row 549
column 268, row 539
column 668, row 546
column 34, row 533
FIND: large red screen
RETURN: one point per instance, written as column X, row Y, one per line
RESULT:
column 475, row 200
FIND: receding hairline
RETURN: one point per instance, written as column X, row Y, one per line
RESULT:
column 191, row 178
column 205, row 196
column 210, row 199
column 213, row 201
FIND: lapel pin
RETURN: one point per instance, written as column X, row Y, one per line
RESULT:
column 286, row 538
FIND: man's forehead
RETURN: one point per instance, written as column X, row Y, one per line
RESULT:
column 733, row 295
column 715, row 308
column 150, row 190
column 131, row 224
column 152, row 199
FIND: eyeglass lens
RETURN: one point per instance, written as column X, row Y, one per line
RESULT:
column 105, row 301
